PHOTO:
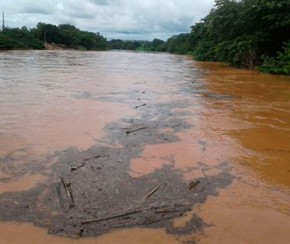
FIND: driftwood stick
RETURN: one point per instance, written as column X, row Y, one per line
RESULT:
column 81, row 163
column 117, row 216
column 78, row 165
column 142, row 223
column 134, row 130
column 68, row 190
column 60, row 198
column 111, row 217
column 65, row 187
column 155, row 208
column 193, row 184
column 150, row 193
column 152, row 221
column 142, row 105
column 173, row 210
column 71, row 197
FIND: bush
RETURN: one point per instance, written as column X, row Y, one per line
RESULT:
column 6, row 42
column 278, row 65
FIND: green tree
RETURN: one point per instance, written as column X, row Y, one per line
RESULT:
column 6, row 43
column 158, row 45
column 242, row 32
column 179, row 44
column 278, row 65
column 16, row 38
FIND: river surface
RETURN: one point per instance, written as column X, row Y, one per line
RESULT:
column 51, row 101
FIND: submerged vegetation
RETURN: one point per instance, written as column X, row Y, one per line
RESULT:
column 246, row 34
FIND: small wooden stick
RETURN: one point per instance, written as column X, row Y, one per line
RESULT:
column 60, row 198
column 150, row 194
column 68, row 190
column 134, row 130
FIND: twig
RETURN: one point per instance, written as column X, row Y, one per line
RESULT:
column 147, row 222
column 111, row 217
column 97, row 156
column 138, row 211
column 81, row 163
column 68, row 190
column 78, row 165
column 71, row 195
column 60, row 198
column 150, row 194
column 173, row 211
column 193, row 184
column 142, row 105
column 134, row 130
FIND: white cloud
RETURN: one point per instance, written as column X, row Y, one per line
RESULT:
column 126, row 19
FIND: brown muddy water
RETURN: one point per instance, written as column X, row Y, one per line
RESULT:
column 146, row 120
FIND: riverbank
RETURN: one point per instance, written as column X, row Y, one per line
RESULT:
column 52, row 46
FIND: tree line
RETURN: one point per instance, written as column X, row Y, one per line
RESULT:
column 251, row 34
column 243, row 33
column 179, row 44
column 71, row 37
column 246, row 34
column 66, row 35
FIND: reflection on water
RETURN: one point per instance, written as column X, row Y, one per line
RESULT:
column 53, row 100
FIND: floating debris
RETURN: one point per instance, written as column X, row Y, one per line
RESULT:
column 142, row 105
column 150, row 193
column 193, row 184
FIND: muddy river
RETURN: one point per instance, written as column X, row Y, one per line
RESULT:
column 125, row 147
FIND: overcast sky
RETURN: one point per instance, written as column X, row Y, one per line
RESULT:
column 124, row 19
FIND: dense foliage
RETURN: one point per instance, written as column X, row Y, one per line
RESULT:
column 156, row 45
column 278, row 65
column 245, row 33
column 16, row 38
column 67, row 35
column 179, row 44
